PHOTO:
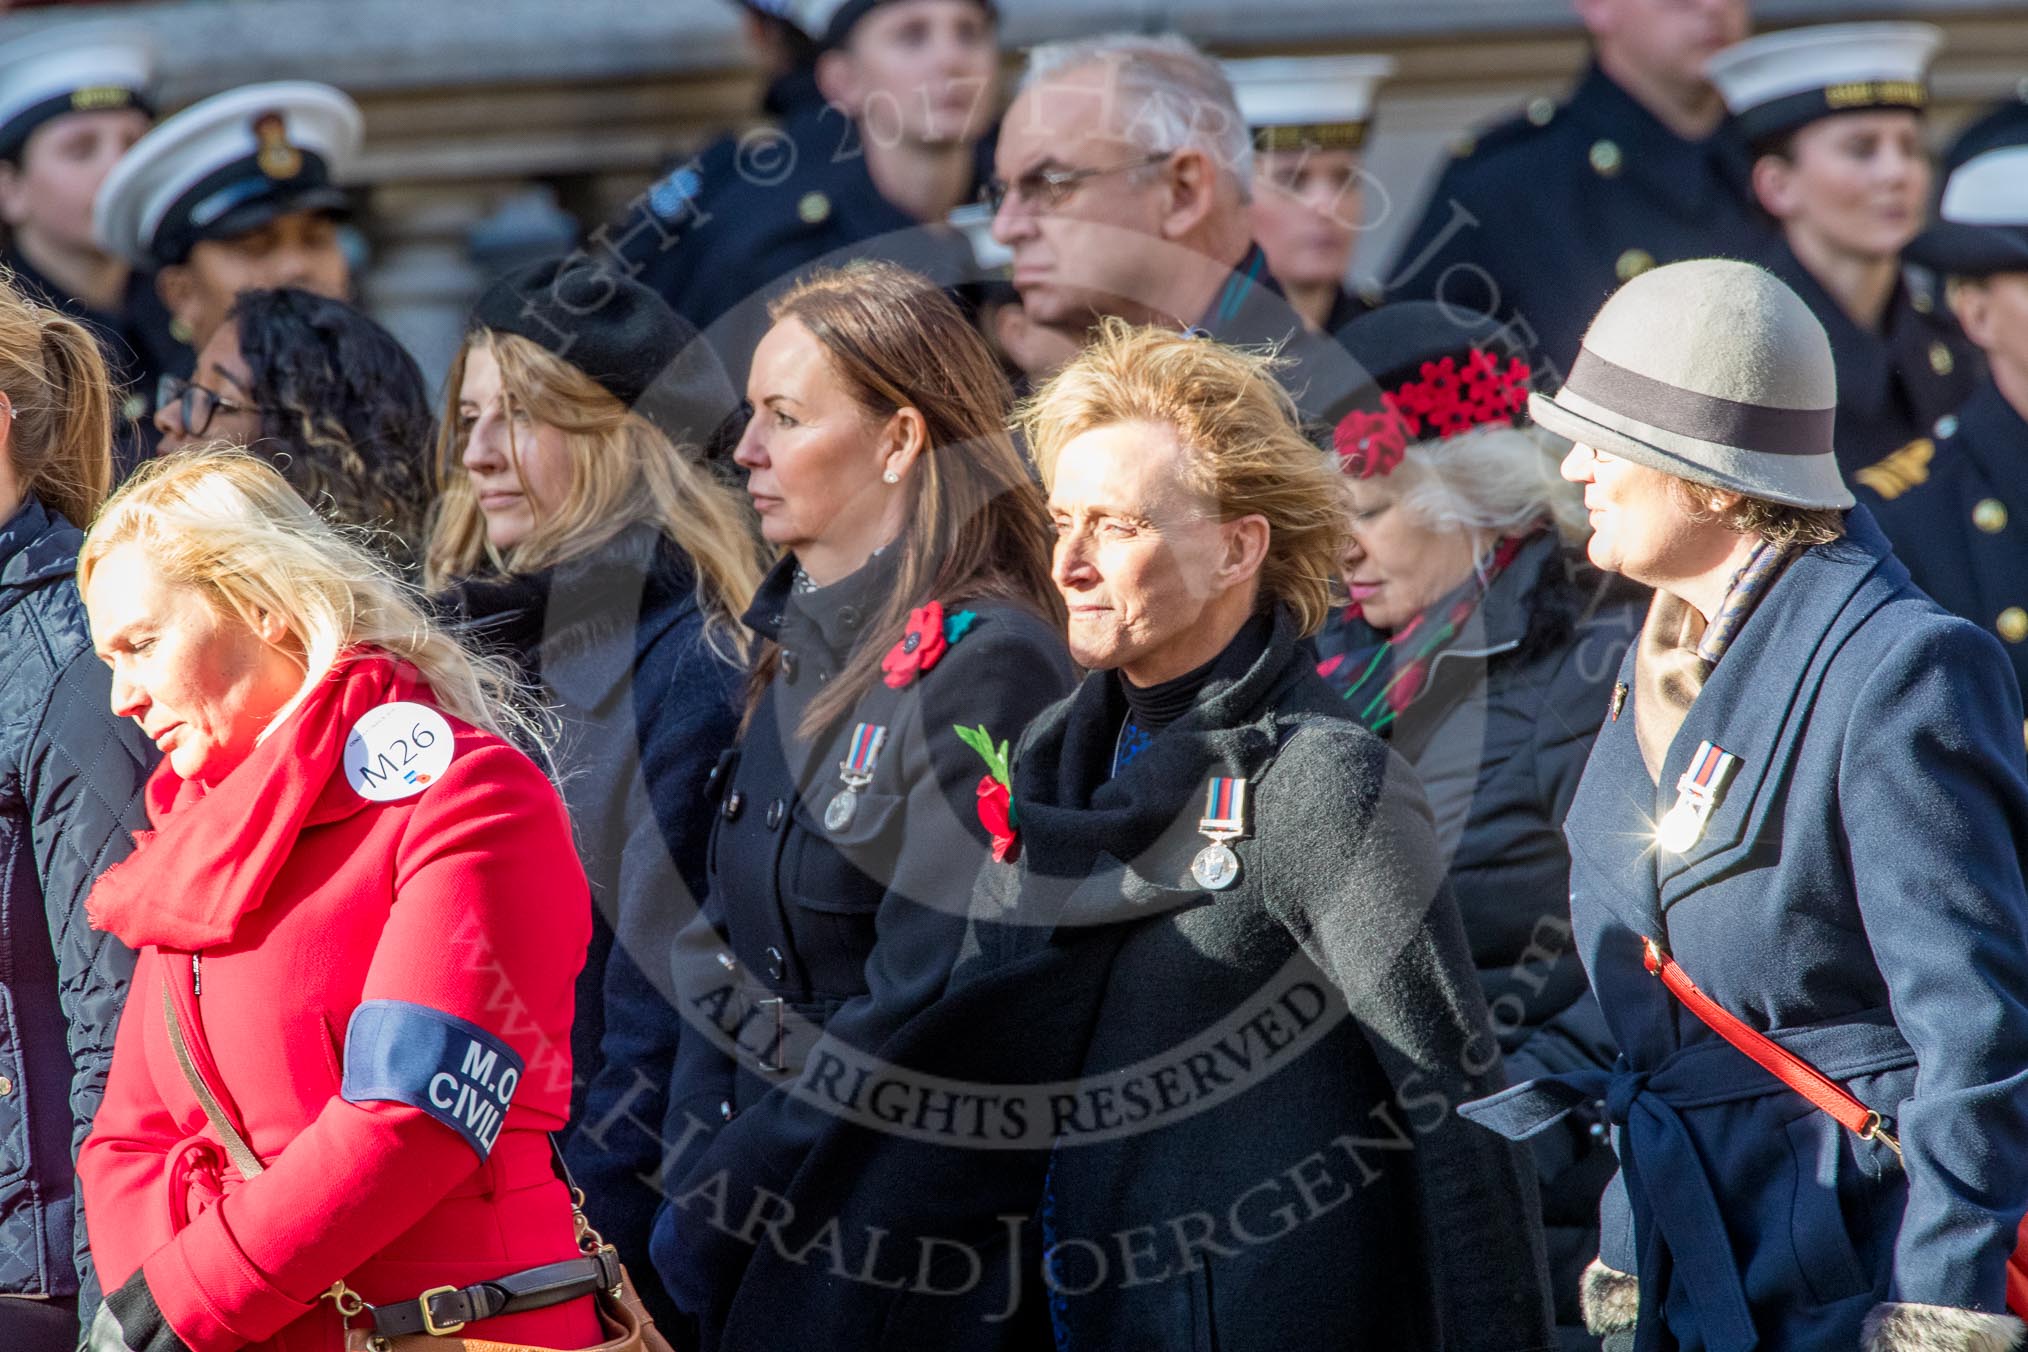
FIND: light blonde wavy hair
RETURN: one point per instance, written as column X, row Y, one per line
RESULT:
column 1241, row 438
column 623, row 469
column 224, row 521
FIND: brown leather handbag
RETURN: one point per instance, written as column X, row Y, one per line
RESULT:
column 436, row 1315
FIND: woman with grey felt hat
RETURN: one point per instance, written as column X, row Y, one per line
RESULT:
column 1809, row 801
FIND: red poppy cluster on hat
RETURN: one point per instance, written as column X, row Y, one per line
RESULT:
column 1442, row 402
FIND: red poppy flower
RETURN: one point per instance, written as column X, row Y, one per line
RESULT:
column 996, row 814
column 921, row 647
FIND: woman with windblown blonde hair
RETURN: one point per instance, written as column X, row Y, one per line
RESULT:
column 583, row 529
column 358, row 916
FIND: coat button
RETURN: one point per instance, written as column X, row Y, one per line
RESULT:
column 778, row 966
column 1940, row 359
column 848, row 617
column 6, row 1086
column 725, row 1110
column 1990, row 516
column 2012, row 624
column 788, row 666
column 1541, row 111
column 1606, row 159
column 1632, row 264
column 775, row 812
column 735, row 802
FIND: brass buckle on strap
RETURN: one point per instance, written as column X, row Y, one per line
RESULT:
column 430, row 1324
column 1872, row 1130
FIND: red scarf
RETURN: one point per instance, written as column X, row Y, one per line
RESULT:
column 213, row 852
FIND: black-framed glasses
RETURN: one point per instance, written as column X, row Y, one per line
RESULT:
column 196, row 403
column 1048, row 189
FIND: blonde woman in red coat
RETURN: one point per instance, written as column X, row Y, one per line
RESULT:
column 360, row 911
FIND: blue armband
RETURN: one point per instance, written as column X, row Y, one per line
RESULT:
column 457, row 1072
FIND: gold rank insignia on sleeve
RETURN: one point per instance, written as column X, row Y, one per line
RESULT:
column 1901, row 471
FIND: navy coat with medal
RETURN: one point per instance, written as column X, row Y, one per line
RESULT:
column 827, row 922
column 1955, row 506
column 1855, row 892
column 1265, row 1045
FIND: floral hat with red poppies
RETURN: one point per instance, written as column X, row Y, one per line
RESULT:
column 1435, row 373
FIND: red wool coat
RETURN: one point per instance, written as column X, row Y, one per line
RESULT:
column 271, row 907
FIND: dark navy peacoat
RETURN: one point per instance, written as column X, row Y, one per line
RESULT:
column 1857, row 896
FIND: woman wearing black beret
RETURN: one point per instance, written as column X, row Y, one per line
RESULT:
column 582, row 531
column 909, row 630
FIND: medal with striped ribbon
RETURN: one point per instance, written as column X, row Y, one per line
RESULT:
column 1697, row 793
column 857, row 771
column 1216, row 867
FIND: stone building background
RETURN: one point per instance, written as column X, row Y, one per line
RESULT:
column 486, row 119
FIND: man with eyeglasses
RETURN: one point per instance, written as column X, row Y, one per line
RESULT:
column 1124, row 173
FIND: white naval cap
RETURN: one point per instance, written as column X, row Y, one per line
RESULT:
column 1982, row 223
column 227, row 165
column 1325, row 102
column 72, row 68
column 1778, row 82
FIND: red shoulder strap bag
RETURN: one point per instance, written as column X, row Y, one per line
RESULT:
column 1812, row 1084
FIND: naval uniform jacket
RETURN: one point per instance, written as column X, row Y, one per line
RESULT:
column 1225, row 1116
column 1893, row 385
column 726, row 231
column 1541, row 218
column 1956, row 507
column 1857, row 895
column 813, row 934
column 462, row 903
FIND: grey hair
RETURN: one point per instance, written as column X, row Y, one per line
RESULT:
column 1495, row 478
column 1164, row 93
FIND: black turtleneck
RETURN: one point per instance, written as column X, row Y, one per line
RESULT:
column 1154, row 707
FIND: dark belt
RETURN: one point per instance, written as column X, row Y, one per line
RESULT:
column 1663, row 1169
column 443, row 1310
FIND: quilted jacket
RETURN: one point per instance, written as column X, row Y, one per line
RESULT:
column 70, row 793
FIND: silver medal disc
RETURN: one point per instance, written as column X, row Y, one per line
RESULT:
column 1216, row 867
column 838, row 815
column 1681, row 827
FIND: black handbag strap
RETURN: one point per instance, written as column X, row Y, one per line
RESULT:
column 444, row 1310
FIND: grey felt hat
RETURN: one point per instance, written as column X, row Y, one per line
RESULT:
column 1713, row 371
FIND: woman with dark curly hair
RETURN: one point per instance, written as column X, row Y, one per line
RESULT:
column 325, row 393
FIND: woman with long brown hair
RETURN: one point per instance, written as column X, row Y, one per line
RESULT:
column 70, row 792
column 909, row 631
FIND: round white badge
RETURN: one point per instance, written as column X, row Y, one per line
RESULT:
column 1682, row 826
column 397, row 751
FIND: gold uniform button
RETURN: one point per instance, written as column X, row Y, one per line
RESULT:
column 2012, row 624
column 6, row 1086
column 1541, row 110
column 814, row 208
column 1921, row 301
column 1990, row 515
column 1632, row 264
column 1463, row 147
column 133, row 408
column 1606, row 158
column 1940, row 359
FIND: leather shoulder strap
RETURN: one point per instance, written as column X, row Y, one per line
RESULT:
column 236, row 1148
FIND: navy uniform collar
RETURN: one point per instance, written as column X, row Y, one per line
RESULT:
column 1664, row 162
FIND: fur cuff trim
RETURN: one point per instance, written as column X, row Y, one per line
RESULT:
column 1897, row 1327
column 1609, row 1299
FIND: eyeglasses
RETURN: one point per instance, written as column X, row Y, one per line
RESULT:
column 1048, row 189
column 197, row 403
